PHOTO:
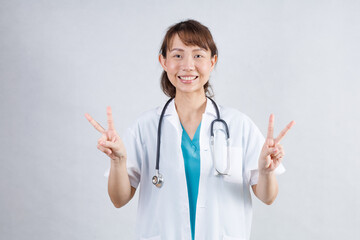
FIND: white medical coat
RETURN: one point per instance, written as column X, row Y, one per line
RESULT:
column 223, row 208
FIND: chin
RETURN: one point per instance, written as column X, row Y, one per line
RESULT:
column 189, row 90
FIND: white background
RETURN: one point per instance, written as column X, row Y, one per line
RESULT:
column 61, row 59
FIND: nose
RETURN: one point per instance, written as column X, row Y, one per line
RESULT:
column 188, row 64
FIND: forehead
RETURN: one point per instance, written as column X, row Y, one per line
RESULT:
column 176, row 42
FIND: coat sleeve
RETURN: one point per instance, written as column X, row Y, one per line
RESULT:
column 134, row 151
column 252, row 144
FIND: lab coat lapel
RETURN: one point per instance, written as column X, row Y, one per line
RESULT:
column 172, row 116
column 177, row 178
column 206, row 168
column 206, row 165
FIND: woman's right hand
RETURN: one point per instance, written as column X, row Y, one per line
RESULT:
column 110, row 143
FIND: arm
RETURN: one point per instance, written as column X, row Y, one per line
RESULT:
column 119, row 188
column 267, row 188
column 270, row 158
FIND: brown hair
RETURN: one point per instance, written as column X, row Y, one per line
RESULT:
column 191, row 32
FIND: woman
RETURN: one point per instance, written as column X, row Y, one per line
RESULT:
column 196, row 201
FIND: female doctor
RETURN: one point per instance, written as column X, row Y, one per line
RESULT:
column 204, row 194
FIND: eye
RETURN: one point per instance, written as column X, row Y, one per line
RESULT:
column 177, row 56
column 198, row 56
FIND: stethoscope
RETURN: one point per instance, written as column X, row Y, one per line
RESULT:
column 158, row 179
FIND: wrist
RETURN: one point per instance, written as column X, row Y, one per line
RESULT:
column 267, row 173
column 118, row 162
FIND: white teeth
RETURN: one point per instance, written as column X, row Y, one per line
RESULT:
column 188, row 78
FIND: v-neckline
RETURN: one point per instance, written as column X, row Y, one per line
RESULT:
column 196, row 135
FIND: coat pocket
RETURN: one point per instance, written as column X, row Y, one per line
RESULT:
column 236, row 166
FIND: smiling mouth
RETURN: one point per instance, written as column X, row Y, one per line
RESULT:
column 187, row 79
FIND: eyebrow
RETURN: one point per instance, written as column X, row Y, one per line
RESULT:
column 182, row 50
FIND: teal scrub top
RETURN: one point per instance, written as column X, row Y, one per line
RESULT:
column 191, row 153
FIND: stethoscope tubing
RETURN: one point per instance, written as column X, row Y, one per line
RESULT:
column 158, row 179
column 159, row 134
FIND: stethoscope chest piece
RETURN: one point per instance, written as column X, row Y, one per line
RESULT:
column 158, row 180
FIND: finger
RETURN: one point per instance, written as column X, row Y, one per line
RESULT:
column 108, row 144
column 102, row 138
column 284, row 131
column 278, row 159
column 271, row 151
column 278, row 154
column 268, row 163
column 269, row 142
column 104, row 149
column 108, row 152
column 110, row 118
column 96, row 125
column 279, row 150
column 279, row 146
column 270, row 132
column 277, row 162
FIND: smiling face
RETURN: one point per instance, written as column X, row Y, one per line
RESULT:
column 188, row 67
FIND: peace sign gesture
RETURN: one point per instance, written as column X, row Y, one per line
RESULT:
column 272, row 152
column 110, row 143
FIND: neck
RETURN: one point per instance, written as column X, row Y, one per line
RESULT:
column 190, row 105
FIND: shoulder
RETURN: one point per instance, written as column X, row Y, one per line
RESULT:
column 242, row 128
column 146, row 119
column 233, row 114
column 148, row 116
column 238, row 121
column 144, row 126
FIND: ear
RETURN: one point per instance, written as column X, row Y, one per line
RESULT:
column 162, row 61
column 213, row 62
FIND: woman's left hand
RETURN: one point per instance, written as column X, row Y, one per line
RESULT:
column 272, row 152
